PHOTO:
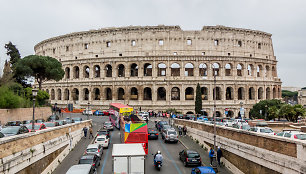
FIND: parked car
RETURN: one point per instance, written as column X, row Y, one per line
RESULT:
column 13, row 123
column 294, row 134
column 77, row 119
column 228, row 123
column 87, row 112
column 265, row 130
column 91, row 159
column 14, row 130
column 53, row 117
column 181, row 116
column 95, row 149
column 190, row 157
column 24, row 122
column 1, row 135
column 103, row 132
column 152, row 134
column 51, row 124
column 69, row 120
column 202, row 119
column 98, row 113
column 160, row 123
column 190, row 117
column 103, row 140
column 170, row 135
column 108, row 125
column 106, row 113
column 39, row 121
column 37, row 126
column 82, row 169
column 164, row 127
column 203, row 170
column 61, row 122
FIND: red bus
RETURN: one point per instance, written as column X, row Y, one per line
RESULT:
column 116, row 110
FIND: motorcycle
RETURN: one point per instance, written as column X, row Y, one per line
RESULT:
column 158, row 165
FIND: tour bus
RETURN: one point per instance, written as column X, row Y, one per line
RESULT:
column 116, row 110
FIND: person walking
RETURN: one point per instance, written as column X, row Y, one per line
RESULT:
column 180, row 130
column 90, row 132
column 185, row 130
column 85, row 131
column 219, row 155
column 211, row 155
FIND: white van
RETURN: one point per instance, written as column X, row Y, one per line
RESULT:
column 82, row 169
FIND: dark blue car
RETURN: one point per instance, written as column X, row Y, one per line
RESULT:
column 203, row 170
column 98, row 113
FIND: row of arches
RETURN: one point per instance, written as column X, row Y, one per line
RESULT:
column 175, row 70
column 161, row 93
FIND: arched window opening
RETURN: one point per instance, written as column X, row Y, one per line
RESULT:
column 47, row 91
column 175, row 93
column 96, row 94
column 268, row 93
column 75, row 94
column 189, row 69
column 228, row 69
column 260, row 93
column 239, row 70
column 120, row 94
column 203, row 69
column 274, row 93
column 97, row 71
column 134, row 70
column 86, row 72
column 259, row 70
column 59, row 94
column 218, row 92
column 204, row 93
column 279, row 93
column 67, row 73
column 218, row 114
column 229, row 93
column 274, row 71
column 161, row 69
column 216, row 69
column 108, row 93
column 147, row 94
column 204, row 113
column 175, row 69
column 108, row 70
column 121, row 70
column 230, row 114
column 134, row 94
column 251, row 93
column 250, row 70
column 86, row 94
column 241, row 93
column 161, row 93
column 147, row 70
column 267, row 71
column 76, row 72
column 66, row 94
column 52, row 94
column 189, row 112
column 189, row 93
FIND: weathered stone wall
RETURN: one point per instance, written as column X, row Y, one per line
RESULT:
column 22, row 153
column 265, row 153
column 21, row 114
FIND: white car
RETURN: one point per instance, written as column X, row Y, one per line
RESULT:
column 103, row 140
column 228, row 123
column 294, row 134
column 87, row 112
column 265, row 130
column 145, row 115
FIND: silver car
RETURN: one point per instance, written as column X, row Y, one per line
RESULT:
column 94, row 149
column 108, row 125
column 170, row 135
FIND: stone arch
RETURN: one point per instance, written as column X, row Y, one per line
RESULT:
column 260, row 93
column 241, row 93
column 75, row 94
column 218, row 92
column 228, row 69
column 189, row 69
column 204, row 113
column 76, row 72
column 108, row 94
column 161, row 93
column 85, row 94
column 250, row 70
column 120, row 94
column 147, row 69
column 121, row 70
column 251, row 93
column 66, row 94
column 240, row 69
column 175, row 93
column 189, row 93
column 175, row 69
column 279, row 93
column 134, row 70
column 267, row 70
column 274, row 93
column 274, row 71
column 134, row 93
column 268, row 93
column 147, row 93
column 204, row 93
column 97, row 71
column 218, row 114
column 216, row 69
column 67, row 73
column 52, row 94
column 96, row 94
column 86, row 71
column 189, row 112
column 161, row 69
column 59, row 94
column 229, row 93
column 47, row 91
column 108, row 70
column 230, row 113
column 203, row 69
column 259, row 71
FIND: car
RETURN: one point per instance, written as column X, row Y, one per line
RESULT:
column 220, row 123
column 228, row 123
column 191, row 117
column 294, row 134
column 152, row 134
column 24, row 122
column 103, row 132
column 98, row 113
column 145, row 116
column 37, row 126
column 53, row 117
column 95, row 149
column 103, row 140
column 69, row 120
column 160, row 123
column 164, row 127
column 240, row 122
column 202, row 119
column 170, row 135
column 77, row 119
column 51, row 124
column 91, row 159
column 140, row 113
column 14, row 130
column 108, row 125
column 87, row 112
column 61, row 122
column 265, row 130
column 1, row 135
column 203, row 170
column 82, row 169
column 181, row 116
column 209, row 122
column 190, row 157
column 13, row 123
column 39, row 121
column 106, row 113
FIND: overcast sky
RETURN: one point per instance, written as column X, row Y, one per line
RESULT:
column 27, row 22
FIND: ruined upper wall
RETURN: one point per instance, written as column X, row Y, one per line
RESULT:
column 158, row 41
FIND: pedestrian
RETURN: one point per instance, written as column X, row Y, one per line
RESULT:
column 60, row 112
column 147, row 120
column 85, row 131
column 90, row 132
column 180, row 130
column 185, row 130
column 219, row 155
column 211, row 155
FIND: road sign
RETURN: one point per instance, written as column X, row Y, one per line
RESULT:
column 226, row 112
column 241, row 111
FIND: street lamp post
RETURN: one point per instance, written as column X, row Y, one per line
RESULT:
column 34, row 93
column 241, row 110
column 214, row 163
column 88, row 111
column 266, row 106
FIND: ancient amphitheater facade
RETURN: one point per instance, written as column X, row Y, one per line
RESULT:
column 158, row 67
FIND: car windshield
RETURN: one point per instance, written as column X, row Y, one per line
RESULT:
column 36, row 127
column 166, row 126
column 108, row 123
column 77, row 119
column 49, row 124
column 39, row 121
column 92, row 150
column 152, row 131
column 193, row 155
column 10, row 130
column 172, row 133
column 163, row 122
column 268, row 131
column 85, row 161
column 301, row 136
column 100, row 139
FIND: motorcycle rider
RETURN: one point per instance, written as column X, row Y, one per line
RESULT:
column 158, row 157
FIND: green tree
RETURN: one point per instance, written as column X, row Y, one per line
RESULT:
column 41, row 68
column 273, row 112
column 13, row 53
column 8, row 100
column 287, row 111
column 264, row 106
column 41, row 97
column 299, row 111
column 198, row 101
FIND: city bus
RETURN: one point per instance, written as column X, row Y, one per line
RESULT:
column 116, row 110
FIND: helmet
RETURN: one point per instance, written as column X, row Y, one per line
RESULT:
column 158, row 152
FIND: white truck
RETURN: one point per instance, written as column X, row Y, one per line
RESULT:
column 128, row 158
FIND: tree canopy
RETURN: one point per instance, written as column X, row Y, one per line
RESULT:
column 198, row 101
column 41, row 67
column 13, row 53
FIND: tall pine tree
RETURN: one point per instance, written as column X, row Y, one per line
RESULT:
column 198, row 101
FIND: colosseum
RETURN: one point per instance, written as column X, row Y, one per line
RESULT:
column 159, row 67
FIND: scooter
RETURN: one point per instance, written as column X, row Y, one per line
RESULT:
column 158, row 165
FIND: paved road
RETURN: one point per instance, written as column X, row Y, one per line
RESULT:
column 171, row 163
